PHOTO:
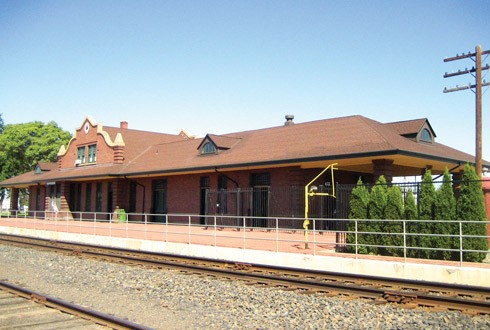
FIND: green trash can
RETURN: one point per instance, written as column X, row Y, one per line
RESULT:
column 122, row 216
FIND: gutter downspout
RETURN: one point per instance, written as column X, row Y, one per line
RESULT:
column 226, row 176
column 238, row 209
column 144, row 191
column 455, row 167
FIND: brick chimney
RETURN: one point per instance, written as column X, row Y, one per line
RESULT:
column 124, row 124
column 118, row 148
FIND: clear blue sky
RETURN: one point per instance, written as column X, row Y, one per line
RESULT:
column 226, row 66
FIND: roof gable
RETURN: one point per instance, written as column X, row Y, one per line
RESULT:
column 411, row 128
column 89, row 124
column 45, row 166
column 220, row 142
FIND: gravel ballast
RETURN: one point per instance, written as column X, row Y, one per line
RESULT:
column 166, row 299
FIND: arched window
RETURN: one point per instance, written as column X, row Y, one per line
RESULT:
column 425, row 136
column 208, row 148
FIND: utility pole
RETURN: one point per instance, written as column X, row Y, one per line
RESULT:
column 476, row 72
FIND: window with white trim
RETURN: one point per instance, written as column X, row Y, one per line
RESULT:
column 92, row 153
column 81, row 155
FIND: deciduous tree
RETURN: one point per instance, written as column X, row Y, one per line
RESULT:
column 23, row 145
column 2, row 190
column 2, row 124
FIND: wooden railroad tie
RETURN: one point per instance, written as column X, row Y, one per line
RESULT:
column 399, row 297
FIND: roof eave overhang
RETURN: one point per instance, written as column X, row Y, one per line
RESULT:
column 302, row 161
column 306, row 162
column 19, row 185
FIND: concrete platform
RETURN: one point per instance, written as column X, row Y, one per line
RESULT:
column 260, row 247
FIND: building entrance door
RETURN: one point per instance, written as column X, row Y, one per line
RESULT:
column 203, row 204
column 260, row 183
column 159, row 200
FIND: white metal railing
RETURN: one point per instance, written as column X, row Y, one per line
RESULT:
column 278, row 234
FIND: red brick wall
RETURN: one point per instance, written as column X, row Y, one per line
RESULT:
column 183, row 194
column 105, row 153
column 33, row 196
column 183, row 191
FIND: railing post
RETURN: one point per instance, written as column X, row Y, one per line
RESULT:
column 404, row 242
column 214, row 230
column 314, row 236
column 244, row 232
column 277, row 235
column 166, row 227
column 355, row 225
column 460, row 244
column 189, row 230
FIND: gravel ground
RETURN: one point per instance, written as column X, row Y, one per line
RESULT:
column 171, row 300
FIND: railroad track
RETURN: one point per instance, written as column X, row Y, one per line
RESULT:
column 405, row 293
column 22, row 308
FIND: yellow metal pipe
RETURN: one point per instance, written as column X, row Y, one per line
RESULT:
column 306, row 222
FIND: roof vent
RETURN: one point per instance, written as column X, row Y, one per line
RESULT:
column 289, row 120
column 124, row 124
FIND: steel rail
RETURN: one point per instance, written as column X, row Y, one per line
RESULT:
column 401, row 284
column 377, row 288
column 70, row 308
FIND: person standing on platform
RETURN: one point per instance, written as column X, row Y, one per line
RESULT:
column 54, row 207
column 115, row 214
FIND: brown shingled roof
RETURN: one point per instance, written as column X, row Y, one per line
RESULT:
column 345, row 140
column 136, row 141
column 46, row 166
column 337, row 138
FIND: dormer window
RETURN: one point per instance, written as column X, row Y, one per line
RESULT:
column 425, row 136
column 214, row 144
column 208, row 148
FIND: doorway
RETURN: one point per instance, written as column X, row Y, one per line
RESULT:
column 203, row 205
column 159, row 200
column 260, row 183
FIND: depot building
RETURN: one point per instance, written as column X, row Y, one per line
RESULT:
column 259, row 173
